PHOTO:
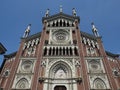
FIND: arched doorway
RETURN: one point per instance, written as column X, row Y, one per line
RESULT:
column 60, row 88
column 60, row 76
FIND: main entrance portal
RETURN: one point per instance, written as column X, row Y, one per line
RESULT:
column 60, row 88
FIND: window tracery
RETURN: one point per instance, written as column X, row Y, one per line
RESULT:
column 27, row 66
column 22, row 84
column 99, row 84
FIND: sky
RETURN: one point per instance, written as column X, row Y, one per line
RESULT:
column 15, row 15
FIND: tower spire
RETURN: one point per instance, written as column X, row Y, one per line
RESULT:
column 94, row 30
column 27, row 31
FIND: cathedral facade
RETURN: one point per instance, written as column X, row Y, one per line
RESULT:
column 61, row 57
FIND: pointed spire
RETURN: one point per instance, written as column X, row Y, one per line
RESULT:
column 61, row 9
column 94, row 30
column 47, row 13
column 27, row 31
column 74, row 12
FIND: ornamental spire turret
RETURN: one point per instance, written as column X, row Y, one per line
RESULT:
column 27, row 31
column 94, row 30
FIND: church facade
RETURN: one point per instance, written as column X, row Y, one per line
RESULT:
column 61, row 57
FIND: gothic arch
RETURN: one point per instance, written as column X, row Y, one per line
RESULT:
column 53, row 72
column 60, row 66
column 22, row 84
column 99, row 84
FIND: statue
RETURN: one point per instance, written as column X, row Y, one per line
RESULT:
column 73, row 12
column 27, row 31
column 47, row 13
column 94, row 30
column 61, row 8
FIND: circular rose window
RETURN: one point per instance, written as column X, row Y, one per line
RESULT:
column 27, row 66
column 94, row 65
column 60, row 36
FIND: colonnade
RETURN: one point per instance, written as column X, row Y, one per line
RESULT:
column 60, row 51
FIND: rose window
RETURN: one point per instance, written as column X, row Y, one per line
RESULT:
column 27, row 66
column 60, row 36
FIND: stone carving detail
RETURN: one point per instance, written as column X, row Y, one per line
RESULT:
column 95, row 66
column 116, row 72
column 77, row 63
column 74, row 12
column 47, row 13
column 60, row 36
column 60, row 22
column 22, row 84
column 99, row 82
column 29, row 47
column 43, row 63
column 26, row 66
column 89, row 42
column 91, row 51
column 6, row 73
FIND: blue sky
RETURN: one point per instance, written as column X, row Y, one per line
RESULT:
column 15, row 15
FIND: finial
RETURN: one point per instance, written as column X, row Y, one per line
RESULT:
column 73, row 12
column 47, row 13
column 27, row 31
column 61, row 9
column 94, row 30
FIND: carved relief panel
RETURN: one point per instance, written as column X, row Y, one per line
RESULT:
column 95, row 66
column 26, row 66
column 60, row 36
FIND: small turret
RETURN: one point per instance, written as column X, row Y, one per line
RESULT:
column 94, row 30
column 27, row 31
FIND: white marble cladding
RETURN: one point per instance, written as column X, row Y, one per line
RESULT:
column 31, row 43
column 99, row 82
column 22, row 82
column 60, row 69
column 60, row 51
column 60, row 22
column 95, row 65
column 90, row 42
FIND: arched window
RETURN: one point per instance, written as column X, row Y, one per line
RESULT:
column 99, row 84
column 60, row 70
column 22, row 84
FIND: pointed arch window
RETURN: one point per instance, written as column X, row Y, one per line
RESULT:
column 99, row 84
column 22, row 84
